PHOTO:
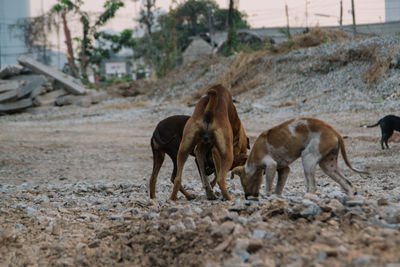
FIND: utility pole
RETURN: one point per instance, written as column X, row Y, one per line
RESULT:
column 210, row 25
column 0, row 45
column 287, row 21
column 230, row 14
column 307, row 16
column 341, row 14
column 354, row 16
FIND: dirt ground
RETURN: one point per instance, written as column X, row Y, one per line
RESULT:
column 74, row 180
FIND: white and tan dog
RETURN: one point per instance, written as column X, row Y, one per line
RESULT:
column 274, row 150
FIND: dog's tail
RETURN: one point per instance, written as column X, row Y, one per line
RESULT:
column 211, row 107
column 374, row 125
column 344, row 155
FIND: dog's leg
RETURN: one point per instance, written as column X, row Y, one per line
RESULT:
column 310, row 161
column 185, row 147
column 158, row 159
column 200, row 151
column 270, row 170
column 329, row 165
column 386, row 134
column 217, row 164
column 225, row 149
column 173, row 175
column 282, row 177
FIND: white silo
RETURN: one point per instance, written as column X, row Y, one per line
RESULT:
column 392, row 10
column 11, row 43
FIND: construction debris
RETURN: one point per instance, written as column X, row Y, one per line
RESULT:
column 34, row 84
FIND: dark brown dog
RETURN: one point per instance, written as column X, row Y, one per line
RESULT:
column 388, row 124
column 165, row 140
column 216, row 124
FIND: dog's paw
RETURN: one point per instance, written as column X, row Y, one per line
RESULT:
column 211, row 196
column 227, row 197
column 190, row 196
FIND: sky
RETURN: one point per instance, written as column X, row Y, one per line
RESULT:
column 260, row 13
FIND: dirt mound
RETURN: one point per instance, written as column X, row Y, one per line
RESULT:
column 312, row 38
column 320, row 57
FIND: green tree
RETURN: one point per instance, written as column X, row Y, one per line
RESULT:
column 87, row 49
column 110, row 43
column 192, row 16
column 63, row 7
column 171, row 33
column 221, row 19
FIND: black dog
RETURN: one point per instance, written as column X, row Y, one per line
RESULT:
column 388, row 124
column 165, row 140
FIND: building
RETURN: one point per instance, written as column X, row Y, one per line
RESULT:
column 392, row 10
column 11, row 44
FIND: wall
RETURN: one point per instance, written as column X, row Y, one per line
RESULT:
column 10, row 44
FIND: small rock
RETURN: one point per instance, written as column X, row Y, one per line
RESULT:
column 19, row 227
column 31, row 211
column 172, row 210
column 393, row 216
column 337, row 194
column 187, row 210
column 90, row 217
column 189, row 223
column 116, row 217
column 94, row 244
column 238, row 230
column 382, row 202
column 243, row 220
column 241, row 246
column 363, row 260
column 79, row 247
column 151, row 216
column 103, row 208
column 235, row 261
column 260, row 234
column 322, row 255
column 226, row 228
column 310, row 196
column 206, row 220
column 312, row 210
column 177, row 227
column 343, row 249
column 197, row 210
column 359, row 201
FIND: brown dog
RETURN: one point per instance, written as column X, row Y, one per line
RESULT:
column 214, row 123
column 165, row 140
column 275, row 149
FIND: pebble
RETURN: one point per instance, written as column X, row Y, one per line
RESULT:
column 382, row 202
column 31, row 211
column 19, row 227
column 311, row 210
column 178, row 227
column 189, row 223
column 363, row 260
column 116, row 217
column 260, row 234
column 226, row 228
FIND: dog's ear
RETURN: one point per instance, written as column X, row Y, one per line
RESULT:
column 248, row 142
column 239, row 170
